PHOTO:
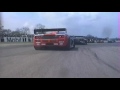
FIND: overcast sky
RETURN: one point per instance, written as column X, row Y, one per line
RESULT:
column 77, row 23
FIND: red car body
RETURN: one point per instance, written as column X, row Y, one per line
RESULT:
column 53, row 39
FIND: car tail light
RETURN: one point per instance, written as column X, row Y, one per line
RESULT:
column 38, row 37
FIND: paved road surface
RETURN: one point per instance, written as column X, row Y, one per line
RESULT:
column 85, row 61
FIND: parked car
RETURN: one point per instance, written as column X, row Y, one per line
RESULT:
column 100, row 41
column 111, row 41
column 80, row 40
column 90, row 41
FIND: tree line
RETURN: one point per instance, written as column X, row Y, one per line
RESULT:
column 26, row 31
column 19, row 31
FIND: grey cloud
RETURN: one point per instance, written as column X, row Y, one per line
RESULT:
column 88, row 24
column 80, row 23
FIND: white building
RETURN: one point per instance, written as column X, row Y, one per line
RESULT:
column 16, row 39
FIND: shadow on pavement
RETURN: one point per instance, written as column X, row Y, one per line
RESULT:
column 59, row 49
column 80, row 44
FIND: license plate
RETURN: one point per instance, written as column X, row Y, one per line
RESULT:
column 38, row 44
column 55, row 43
column 43, row 44
column 61, row 43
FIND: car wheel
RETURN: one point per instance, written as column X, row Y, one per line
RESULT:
column 36, row 48
column 73, row 44
column 68, row 45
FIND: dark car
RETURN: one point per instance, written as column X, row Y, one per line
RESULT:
column 111, row 41
column 100, row 41
column 80, row 40
column 90, row 40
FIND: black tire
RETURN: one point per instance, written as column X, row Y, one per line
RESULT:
column 85, row 43
column 73, row 45
column 36, row 48
column 68, row 45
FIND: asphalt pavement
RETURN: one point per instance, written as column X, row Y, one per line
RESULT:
column 85, row 61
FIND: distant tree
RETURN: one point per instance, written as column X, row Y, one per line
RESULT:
column 25, row 30
column 20, row 30
column 1, row 27
column 9, row 31
column 1, row 30
column 5, row 32
column 90, row 36
column 39, row 26
column 17, row 32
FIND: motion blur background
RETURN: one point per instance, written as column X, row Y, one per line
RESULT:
column 93, row 60
column 77, row 23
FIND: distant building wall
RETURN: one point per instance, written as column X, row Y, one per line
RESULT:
column 16, row 39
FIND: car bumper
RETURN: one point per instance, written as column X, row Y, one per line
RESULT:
column 49, row 45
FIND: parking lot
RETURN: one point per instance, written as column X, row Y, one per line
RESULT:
column 95, row 60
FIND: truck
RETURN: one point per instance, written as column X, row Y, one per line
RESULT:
column 52, row 37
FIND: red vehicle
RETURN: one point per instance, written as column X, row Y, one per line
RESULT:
column 56, row 37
